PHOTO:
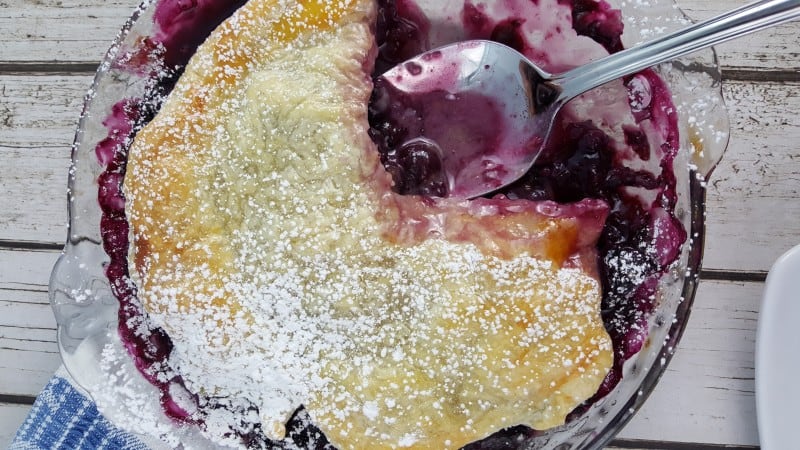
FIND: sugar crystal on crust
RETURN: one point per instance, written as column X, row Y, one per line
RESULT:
column 268, row 243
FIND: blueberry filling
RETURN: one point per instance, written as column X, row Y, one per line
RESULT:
column 579, row 162
column 416, row 132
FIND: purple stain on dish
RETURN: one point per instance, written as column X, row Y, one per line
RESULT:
column 120, row 128
column 148, row 346
column 110, row 197
column 185, row 24
column 579, row 162
column 181, row 26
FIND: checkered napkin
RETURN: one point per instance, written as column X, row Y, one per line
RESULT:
column 64, row 418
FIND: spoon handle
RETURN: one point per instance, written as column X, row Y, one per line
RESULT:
column 738, row 22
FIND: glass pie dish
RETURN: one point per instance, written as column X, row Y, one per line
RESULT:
column 97, row 311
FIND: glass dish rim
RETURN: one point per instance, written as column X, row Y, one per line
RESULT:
column 610, row 427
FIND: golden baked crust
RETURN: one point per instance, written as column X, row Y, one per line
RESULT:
column 267, row 242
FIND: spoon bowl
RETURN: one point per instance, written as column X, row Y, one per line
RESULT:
column 473, row 105
column 476, row 114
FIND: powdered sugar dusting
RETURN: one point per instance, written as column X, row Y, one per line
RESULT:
column 268, row 244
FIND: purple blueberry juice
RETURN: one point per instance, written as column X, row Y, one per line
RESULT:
column 423, row 132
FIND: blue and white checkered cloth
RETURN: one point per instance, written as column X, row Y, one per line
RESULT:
column 64, row 418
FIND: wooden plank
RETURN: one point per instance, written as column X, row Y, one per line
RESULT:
column 56, row 31
column 60, row 31
column 706, row 395
column 754, row 194
column 38, row 116
column 26, row 272
column 25, row 371
column 753, row 199
column 11, row 417
column 28, row 349
column 638, row 444
column 769, row 50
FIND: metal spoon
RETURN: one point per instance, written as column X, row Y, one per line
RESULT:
column 529, row 98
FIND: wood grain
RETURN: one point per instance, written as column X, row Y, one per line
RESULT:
column 28, row 349
column 754, row 195
column 640, row 444
column 70, row 33
column 11, row 417
column 707, row 394
column 770, row 50
column 753, row 199
column 60, row 31
column 38, row 116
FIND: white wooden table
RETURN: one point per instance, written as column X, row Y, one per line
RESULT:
column 49, row 50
